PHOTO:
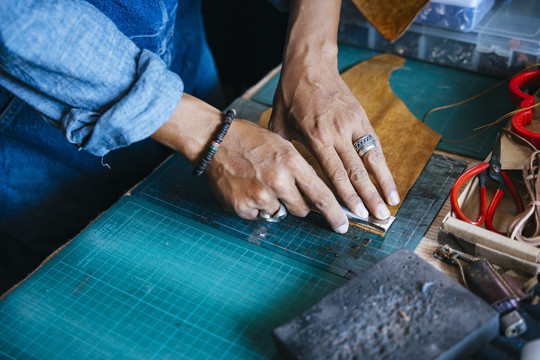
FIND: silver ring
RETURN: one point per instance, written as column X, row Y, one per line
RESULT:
column 364, row 144
column 276, row 217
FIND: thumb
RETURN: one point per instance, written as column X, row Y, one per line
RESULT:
column 277, row 124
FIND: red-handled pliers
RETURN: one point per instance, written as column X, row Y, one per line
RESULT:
column 486, row 171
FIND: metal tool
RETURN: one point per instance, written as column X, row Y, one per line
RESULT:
column 371, row 222
column 482, row 279
column 486, row 171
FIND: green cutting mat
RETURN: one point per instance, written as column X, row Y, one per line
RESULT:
column 309, row 239
column 142, row 282
column 422, row 87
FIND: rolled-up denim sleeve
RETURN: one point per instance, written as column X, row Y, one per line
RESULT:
column 71, row 63
column 282, row 5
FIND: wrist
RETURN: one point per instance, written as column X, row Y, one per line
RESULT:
column 310, row 54
column 215, row 143
column 191, row 128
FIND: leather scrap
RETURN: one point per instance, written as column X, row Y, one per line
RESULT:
column 391, row 18
column 407, row 143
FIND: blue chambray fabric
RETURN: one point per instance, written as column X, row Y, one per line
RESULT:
column 71, row 63
column 99, row 71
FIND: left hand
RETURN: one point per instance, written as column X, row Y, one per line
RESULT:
column 314, row 106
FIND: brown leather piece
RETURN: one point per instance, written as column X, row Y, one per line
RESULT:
column 391, row 18
column 482, row 280
column 407, row 143
column 516, row 285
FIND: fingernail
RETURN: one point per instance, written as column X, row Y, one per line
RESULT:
column 342, row 229
column 382, row 211
column 361, row 211
column 393, row 198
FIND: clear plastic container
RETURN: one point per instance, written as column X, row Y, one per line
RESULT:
column 512, row 35
column 462, row 15
column 504, row 42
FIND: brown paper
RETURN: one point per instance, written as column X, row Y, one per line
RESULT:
column 391, row 18
column 513, row 155
column 407, row 143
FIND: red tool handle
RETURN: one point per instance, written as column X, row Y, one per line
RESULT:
column 491, row 211
column 482, row 206
column 514, row 193
column 495, row 202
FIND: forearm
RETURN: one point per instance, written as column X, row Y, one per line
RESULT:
column 312, row 33
column 310, row 56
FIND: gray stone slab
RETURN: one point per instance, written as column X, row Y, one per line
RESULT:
column 401, row 308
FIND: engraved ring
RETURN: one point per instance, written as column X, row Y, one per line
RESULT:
column 364, row 144
column 276, row 217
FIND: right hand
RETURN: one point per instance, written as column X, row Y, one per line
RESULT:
column 255, row 169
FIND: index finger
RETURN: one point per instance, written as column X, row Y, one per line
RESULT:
column 320, row 196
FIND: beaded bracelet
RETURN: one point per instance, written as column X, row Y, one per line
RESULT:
column 214, row 145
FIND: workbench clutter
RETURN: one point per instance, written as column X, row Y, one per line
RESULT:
column 498, row 239
column 513, row 241
column 501, row 291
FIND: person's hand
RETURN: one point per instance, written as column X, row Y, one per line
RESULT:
column 254, row 170
column 313, row 105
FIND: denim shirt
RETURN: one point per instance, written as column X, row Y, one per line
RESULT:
column 98, row 70
column 69, row 61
